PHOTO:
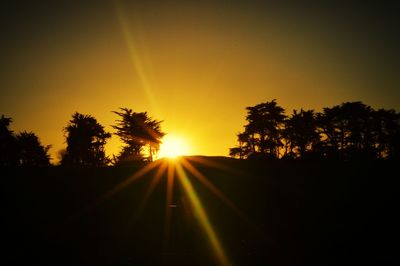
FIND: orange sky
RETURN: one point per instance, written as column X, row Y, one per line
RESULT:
column 194, row 65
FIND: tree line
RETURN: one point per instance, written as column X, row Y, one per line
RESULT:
column 23, row 148
column 349, row 131
column 85, row 139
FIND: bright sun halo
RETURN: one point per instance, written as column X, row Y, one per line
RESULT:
column 173, row 146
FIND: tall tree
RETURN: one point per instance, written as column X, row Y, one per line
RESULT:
column 140, row 133
column 9, row 150
column 85, row 139
column 242, row 150
column 347, row 130
column 331, row 131
column 387, row 133
column 32, row 152
column 301, row 133
column 263, row 131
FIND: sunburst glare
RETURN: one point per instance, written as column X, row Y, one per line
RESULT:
column 173, row 146
column 181, row 170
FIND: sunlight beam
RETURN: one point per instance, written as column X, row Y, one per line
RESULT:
column 135, row 177
column 130, row 180
column 202, row 216
column 134, row 55
column 207, row 162
column 196, row 173
column 168, row 203
column 149, row 191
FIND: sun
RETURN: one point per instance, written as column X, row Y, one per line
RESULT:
column 173, row 146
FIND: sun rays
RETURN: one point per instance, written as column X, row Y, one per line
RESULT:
column 136, row 54
column 173, row 146
column 201, row 215
column 179, row 171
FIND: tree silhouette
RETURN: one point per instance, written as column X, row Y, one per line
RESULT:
column 85, row 139
column 9, row 150
column 243, row 149
column 348, row 131
column 331, row 132
column 358, row 119
column 140, row 133
column 387, row 133
column 263, row 132
column 300, row 133
column 32, row 152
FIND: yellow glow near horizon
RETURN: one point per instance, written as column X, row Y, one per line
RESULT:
column 173, row 146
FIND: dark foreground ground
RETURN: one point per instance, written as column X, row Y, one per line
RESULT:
column 296, row 213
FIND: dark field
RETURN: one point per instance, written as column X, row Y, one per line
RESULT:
column 295, row 213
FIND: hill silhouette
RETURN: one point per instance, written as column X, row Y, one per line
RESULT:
column 281, row 213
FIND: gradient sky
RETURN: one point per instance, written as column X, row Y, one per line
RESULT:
column 194, row 64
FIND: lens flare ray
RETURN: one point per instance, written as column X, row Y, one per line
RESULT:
column 196, row 173
column 139, row 174
column 171, row 170
column 150, row 189
column 168, row 203
column 202, row 215
column 135, row 55
column 210, row 163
